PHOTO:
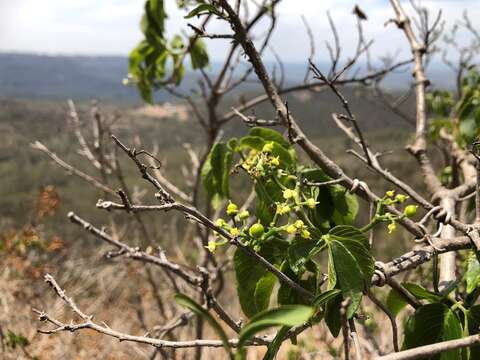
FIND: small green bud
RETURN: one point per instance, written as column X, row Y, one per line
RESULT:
column 410, row 211
column 390, row 193
column 256, row 230
column 401, row 198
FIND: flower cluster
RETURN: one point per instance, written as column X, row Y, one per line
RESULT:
column 391, row 198
column 260, row 164
column 257, row 234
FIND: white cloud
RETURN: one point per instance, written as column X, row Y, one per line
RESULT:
column 112, row 26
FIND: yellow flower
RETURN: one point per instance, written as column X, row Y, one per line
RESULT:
column 291, row 229
column 212, row 246
column 283, row 209
column 234, row 231
column 299, row 224
column 268, row 148
column 246, row 166
column 306, row 234
column 275, row 161
column 391, row 227
column 289, row 193
column 311, row 203
column 390, row 193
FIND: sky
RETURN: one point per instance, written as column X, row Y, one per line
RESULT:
column 111, row 27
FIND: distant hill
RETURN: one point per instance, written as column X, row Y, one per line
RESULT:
column 35, row 76
column 100, row 77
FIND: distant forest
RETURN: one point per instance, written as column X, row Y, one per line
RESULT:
column 100, row 77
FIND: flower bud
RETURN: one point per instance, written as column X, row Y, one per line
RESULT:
column 244, row 215
column 311, row 203
column 256, row 230
column 232, row 209
column 410, row 211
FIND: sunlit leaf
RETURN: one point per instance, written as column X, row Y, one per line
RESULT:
column 287, row 315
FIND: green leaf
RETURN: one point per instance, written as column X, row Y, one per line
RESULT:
column 286, row 295
column 216, row 171
column 276, row 343
column 332, row 315
column 189, row 303
column 179, row 73
column 323, row 298
column 345, row 205
column 336, row 206
column 300, row 252
column 199, row 55
column 350, row 265
column 323, row 212
column 430, row 324
column 357, row 243
column 266, row 196
column 473, row 328
column 421, row 293
column 349, row 276
column 270, row 135
column 153, row 21
column 263, row 291
column 202, row 9
column 345, row 232
column 332, row 274
column 472, row 275
column 395, row 302
column 468, row 129
column 249, row 273
column 253, row 142
column 287, row 315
